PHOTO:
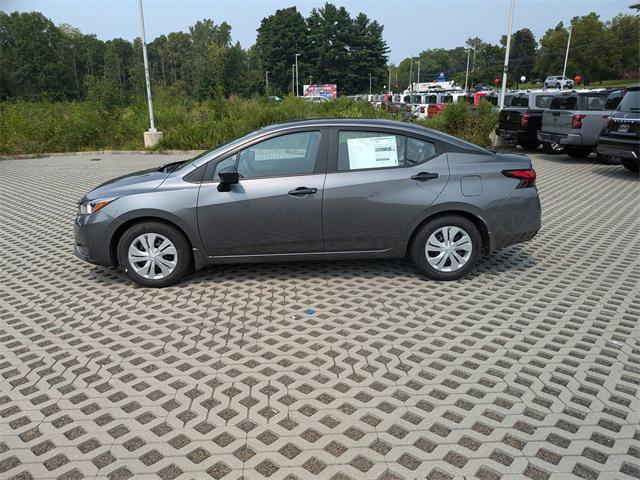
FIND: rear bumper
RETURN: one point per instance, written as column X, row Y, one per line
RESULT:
column 561, row 138
column 518, row 220
column 509, row 135
column 619, row 148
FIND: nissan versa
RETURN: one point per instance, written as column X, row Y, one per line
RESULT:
column 314, row 189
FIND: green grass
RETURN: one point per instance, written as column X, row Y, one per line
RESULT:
column 47, row 127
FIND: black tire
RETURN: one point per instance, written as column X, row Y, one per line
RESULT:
column 552, row 148
column 183, row 255
column 529, row 143
column 558, row 86
column 419, row 255
column 546, row 85
column 631, row 165
column 579, row 152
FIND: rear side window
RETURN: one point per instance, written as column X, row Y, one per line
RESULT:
column 543, row 101
column 613, row 101
column 592, row 102
column 630, row 102
column 564, row 103
column 366, row 150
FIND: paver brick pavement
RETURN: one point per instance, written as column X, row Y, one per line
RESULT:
column 528, row 368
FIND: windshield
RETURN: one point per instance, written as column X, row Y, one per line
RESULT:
column 630, row 102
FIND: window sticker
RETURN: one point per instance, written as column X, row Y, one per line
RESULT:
column 372, row 152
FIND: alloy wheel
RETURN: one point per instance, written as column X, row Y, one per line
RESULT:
column 448, row 249
column 152, row 256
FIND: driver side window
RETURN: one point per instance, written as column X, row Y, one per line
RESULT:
column 290, row 154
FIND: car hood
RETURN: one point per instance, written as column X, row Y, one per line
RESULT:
column 142, row 181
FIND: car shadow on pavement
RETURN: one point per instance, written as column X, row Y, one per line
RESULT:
column 618, row 173
column 514, row 258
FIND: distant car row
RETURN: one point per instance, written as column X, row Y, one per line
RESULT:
column 577, row 123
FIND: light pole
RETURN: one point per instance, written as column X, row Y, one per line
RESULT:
column 466, row 77
column 389, row 79
column 297, row 76
column 293, row 77
column 411, row 75
column 152, row 137
column 506, row 54
column 369, row 84
column 266, row 81
column 418, row 82
column 566, row 57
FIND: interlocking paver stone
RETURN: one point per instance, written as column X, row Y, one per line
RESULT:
column 528, row 368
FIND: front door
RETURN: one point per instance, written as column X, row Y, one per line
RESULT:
column 378, row 184
column 276, row 208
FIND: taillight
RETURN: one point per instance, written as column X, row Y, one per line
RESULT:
column 524, row 119
column 407, row 108
column 576, row 121
column 422, row 109
column 527, row 177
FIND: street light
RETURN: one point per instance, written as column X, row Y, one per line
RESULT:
column 506, row 54
column 151, row 137
column 369, row 84
column 418, row 73
column 266, row 81
column 297, row 75
column 566, row 57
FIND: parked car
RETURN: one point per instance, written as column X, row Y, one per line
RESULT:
column 621, row 136
column 314, row 189
column 558, row 82
column 315, row 98
column 520, row 121
column 575, row 120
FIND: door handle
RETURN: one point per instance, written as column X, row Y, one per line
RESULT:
column 424, row 176
column 298, row 192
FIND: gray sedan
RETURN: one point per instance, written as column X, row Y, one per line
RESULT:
column 315, row 189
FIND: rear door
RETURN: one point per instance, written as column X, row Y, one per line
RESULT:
column 276, row 208
column 379, row 181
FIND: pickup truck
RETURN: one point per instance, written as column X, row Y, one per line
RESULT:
column 621, row 137
column 520, row 122
column 575, row 120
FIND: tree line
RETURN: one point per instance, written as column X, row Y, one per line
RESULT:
column 598, row 51
column 39, row 60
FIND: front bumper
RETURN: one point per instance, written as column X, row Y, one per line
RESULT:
column 92, row 238
column 619, row 148
column 560, row 138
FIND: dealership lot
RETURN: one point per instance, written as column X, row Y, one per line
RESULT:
column 528, row 368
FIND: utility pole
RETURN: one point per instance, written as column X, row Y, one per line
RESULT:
column 566, row 57
column 369, row 84
column 466, row 77
column 506, row 54
column 152, row 137
column 266, row 81
column 411, row 76
column 297, row 76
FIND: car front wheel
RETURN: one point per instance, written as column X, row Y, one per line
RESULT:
column 154, row 254
column 446, row 248
column 631, row 165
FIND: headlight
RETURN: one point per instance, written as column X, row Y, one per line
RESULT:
column 94, row 205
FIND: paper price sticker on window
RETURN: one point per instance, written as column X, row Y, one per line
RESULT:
column 372, row 152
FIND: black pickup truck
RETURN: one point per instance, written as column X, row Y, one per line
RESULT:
column 519, row 123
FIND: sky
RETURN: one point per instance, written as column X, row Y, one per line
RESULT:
column 410, row 26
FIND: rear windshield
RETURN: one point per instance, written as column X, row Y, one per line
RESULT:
column 564, row 103
column 544, row 101
column 630, row 102
column 520, row 101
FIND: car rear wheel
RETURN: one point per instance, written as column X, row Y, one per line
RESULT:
column 579, row 152
column 631, row 165
column 552, row 148
column 154, row 254
column 446, row 248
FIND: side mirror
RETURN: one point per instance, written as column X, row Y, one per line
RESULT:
column 229, row 175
